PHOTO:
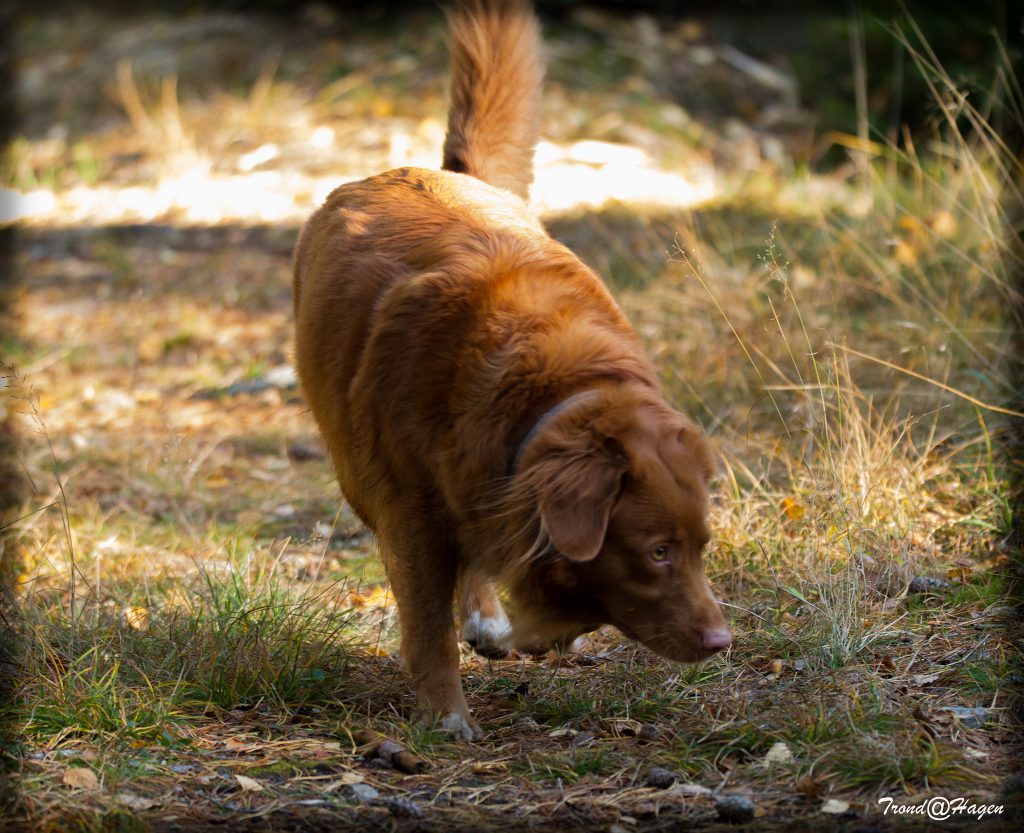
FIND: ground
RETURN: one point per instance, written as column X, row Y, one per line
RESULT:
column 204, row 634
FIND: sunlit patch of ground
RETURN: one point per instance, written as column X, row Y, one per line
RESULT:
column 585, row 174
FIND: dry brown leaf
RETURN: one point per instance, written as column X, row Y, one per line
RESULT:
column 249, row 784
column 959, row 573
column 82, row 778
column 810, row 787
column 624, row 726
column 489, row 766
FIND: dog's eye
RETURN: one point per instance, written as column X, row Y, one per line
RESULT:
column 660, row 554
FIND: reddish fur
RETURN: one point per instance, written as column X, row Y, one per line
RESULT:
column 436, row 323
column 493, row 121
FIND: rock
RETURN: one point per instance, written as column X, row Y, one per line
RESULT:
column 926, row 584
column 735, row 808
column 281, row 377
column 363, row 792
column 301, row 452
column 402, row 808
column 972, row 718
column 660, row 778
column 649, row 732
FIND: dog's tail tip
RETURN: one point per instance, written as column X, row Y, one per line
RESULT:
column 496, row 76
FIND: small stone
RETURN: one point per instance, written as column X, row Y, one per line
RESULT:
column 649, row 732
column 282, row 377
column 526, row 724
column 363, row 792
column 402, row 808
column 301, row 452
column 735, row 808
column 926, row 584
column 388, row 749
column 583, row 739
column 660, row 778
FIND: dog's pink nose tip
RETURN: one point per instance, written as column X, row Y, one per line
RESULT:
column 715, row 639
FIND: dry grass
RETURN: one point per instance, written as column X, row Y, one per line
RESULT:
column 195, row 606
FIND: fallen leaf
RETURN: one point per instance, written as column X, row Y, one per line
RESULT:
column 137, row 618
column 489, row 766
column 692, row 790
column 620, row 726
column 236, row 744
column 82, row 778
column 778, row 754
column 794, row 511
column 835, row 807
column 249, row 784
column 136, row 802
column 810, row 787
column 958, row 573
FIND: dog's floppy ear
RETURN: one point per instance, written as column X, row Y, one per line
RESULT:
column 688, row 437
column 576, row 507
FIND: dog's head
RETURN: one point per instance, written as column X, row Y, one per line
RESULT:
column 620, row 487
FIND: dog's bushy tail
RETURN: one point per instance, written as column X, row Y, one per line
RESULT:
column 497, row 70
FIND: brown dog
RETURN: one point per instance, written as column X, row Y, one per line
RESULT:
column 488, row 409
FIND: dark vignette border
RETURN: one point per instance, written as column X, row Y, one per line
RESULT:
column 11, row 482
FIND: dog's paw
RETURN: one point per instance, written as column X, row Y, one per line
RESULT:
column 488, row 635
column 461, row 727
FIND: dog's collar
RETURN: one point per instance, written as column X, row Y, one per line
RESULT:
column 546, row 417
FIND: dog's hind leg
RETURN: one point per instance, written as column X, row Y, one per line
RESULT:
column 421, row 565
column 484, row 623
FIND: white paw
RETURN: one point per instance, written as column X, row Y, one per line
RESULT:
column 489, row 635
column 458, row 727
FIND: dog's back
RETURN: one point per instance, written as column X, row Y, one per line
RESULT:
column 497, row 70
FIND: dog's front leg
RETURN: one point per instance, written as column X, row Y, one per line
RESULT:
column 422, row 568
column 484, row 623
